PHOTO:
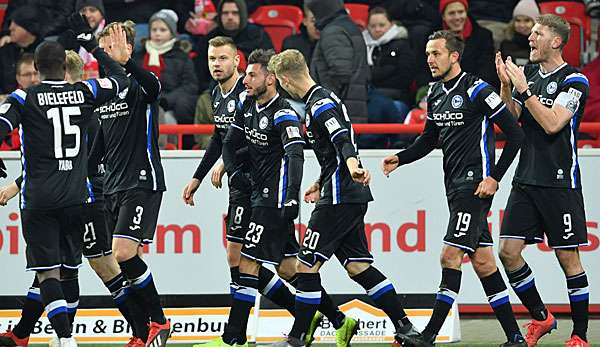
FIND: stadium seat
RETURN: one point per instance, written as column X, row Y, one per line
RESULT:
column 574, row 13
column 279, row 21
column 2, row 13
column 359, row 14
column 243, row 62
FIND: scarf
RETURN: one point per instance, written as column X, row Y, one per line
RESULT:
column 395, row 32
column 155, row 51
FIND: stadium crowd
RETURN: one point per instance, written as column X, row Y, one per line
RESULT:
column 380, row 70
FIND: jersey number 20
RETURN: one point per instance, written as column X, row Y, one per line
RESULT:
column 61, row 121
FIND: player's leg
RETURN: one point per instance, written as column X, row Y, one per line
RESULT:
column 238, row 217
column 104, row 216
column 43, row 236
column 30, row 314
column 522, row 224
column 136, row 224
column 484, row 264
column 565, row 226
column 69, row 281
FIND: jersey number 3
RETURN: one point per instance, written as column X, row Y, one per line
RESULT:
column 61, row 121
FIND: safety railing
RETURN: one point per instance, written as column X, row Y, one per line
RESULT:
column 374, row 128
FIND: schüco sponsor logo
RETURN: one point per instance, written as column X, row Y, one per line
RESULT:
column 224, row 119
column 253, row 134
column 448, row 116
column 115, row 106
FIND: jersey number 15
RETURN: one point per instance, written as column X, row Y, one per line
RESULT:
column 61, row 121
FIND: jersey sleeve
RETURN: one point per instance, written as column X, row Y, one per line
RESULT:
column 101, row 89
column 288, row 123
column 573, row 92
column 486, row 98
column 325, row 113
column 10, row 111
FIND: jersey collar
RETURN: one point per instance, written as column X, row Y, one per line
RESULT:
column 544, row 75
column 54, row 82
column 260, row 109
column 311, row 91
column 232, row 88
column 447, row 91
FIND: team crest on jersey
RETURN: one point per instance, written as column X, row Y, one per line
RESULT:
column 457, row 101
column 231, row 106
column 123, row 94
column 552, row 87
column 263, row 123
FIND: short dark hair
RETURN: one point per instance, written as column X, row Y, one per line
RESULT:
column 261, row 56
column 49, row 58
column 26, row 58
column 454, row 43
column 379, row 10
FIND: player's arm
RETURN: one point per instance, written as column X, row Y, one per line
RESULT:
column 339, row 134
column 96, row 153
column 288, row 123
column 491, row 105
column 147, row 80
column 506, row 87
column 566, row 105
column 211, row 155
column 10, row 118
column 233, row 141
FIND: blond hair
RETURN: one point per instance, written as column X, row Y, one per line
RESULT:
column 557, row 24
column 74, row 65
column 128, row 26
column 220, row 41
column 290, row 63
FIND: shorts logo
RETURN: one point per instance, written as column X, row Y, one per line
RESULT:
column 142, row 176
column 560, row 174
column 457, row 101
column 231, row 106
column 552, row 87
column 263, row 123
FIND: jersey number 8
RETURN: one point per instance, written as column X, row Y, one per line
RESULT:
column 65, row 128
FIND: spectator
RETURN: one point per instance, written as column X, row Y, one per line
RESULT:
column 306, row 40
column 493, row 15
column 203, row 115
column 94, row 12
column 26, row 77
column 168, row 59
column 390, row 58
column 25, row 34
column 478, row 56
column 56, row 11
column 232, row 21
column 202, row 20
column 339, row 61
column 516, row 44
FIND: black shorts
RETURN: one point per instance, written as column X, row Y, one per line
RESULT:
column 533, row 211
column 336, row 229
column 132, row 214
column 269, row 238
column 238, row 217
column 468, row 227
column 54, row 238
column 97, row 239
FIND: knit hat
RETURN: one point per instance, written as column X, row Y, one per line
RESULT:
column 445, row 3
column 527, row 8
column 93, row 3
column 27, row 17
column 169, row 17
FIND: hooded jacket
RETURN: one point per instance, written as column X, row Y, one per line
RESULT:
column 247, row 38
column 392, row 62
column 339, row 61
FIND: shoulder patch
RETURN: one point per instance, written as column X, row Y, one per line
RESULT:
column 576, row 77
column 576, row 93
column 493, row 100
column 332, row 125
column 335, row 97
column 293, row 132
column 283, row 115
column 20, row 95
